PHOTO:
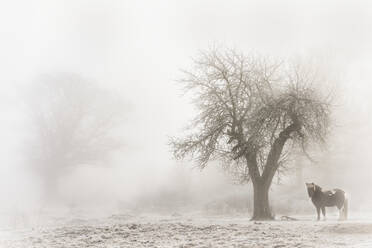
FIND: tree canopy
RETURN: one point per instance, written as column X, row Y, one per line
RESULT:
column 74, row 123
column 248, row 108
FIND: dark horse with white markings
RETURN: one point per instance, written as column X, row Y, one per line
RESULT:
column 328, row 198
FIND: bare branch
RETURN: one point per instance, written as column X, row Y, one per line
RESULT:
column 249, row 107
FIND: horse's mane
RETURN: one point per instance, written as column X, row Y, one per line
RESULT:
column 317, row 187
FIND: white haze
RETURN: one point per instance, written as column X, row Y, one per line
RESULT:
column 136, row 49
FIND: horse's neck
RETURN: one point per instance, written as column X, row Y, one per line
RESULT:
column 318, row 191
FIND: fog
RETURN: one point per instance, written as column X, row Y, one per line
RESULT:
column 135, row 51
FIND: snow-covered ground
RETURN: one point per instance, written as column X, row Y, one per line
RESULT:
column 191, row 230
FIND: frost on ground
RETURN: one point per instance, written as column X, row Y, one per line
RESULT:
column 191, row 230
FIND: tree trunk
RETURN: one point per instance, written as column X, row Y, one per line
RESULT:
column 262, row 183
column 49, row 178
column 261, row 207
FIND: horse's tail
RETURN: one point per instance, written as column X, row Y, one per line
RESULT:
column 345, row 208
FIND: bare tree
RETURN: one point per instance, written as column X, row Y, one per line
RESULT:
column 74, row 124
column 251, row 112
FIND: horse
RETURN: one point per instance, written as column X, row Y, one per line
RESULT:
column 328, row 198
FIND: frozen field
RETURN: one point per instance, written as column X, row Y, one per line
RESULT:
column 193, row 230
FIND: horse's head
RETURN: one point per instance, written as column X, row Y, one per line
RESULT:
column 312, row 188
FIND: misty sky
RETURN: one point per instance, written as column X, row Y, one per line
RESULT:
column 137, row 49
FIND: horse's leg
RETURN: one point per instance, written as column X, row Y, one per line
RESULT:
column 341, row 213
column 343, row 209
column 324, row 213
column 318, row 212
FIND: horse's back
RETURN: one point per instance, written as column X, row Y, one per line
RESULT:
column 339, row 190
column 335, row 197
column 334, row 192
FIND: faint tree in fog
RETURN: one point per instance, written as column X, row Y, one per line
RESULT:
column 251, row 112
column 74, row 124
